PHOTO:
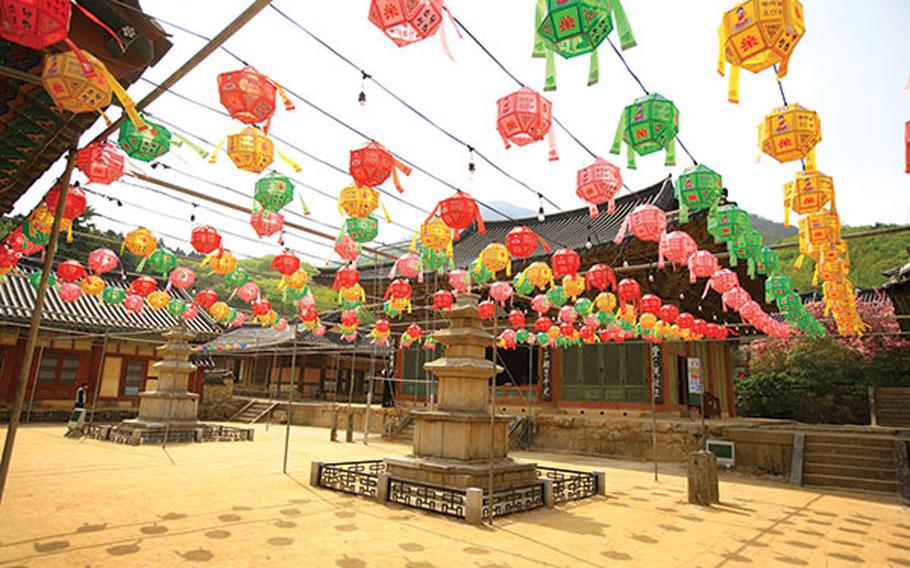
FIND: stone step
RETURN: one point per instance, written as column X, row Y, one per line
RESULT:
column 840, row 470
column 849, row 440
column 844, row 450
column 900, row 422
column 851, row 461
column 851, row 483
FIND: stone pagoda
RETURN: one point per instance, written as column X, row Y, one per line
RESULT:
column 452, row 443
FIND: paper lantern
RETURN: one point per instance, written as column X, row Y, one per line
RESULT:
column 142, row 243
column 443, row 300
column 206, row 299
column 807, row 194
column 34, row 280
column 646, row 222
column 249, row 96
column 113, row 295
column 93, row 285
column 523, row 117
column 249, row 292
column 539, row 274
column 817, row 231
column 459, row 280
column 517, row 319
column 190, row 312
column 745, row 246
column 358, row 201
column 407, row 266
column 158, row 299
column 361, row 230
column 557, row 296
column 567, row 314
column 273, row 192
column 285, row 263
column 757, row 34
column 205, row 239
column 101, row 162
column 134, row 303
column 162, row 261
column 223, row 264
column 479, row 273
column 777, row 286
column 583, row 308
column 69, row 292
column 605, row 302
column 722, row 281
column 601, row 277
column 522, row 242
column 576, row 27
column 144, row 145
column 181, row 278
column 522, row 285
column 176, row 307
column 677, row 247
column 347, row 248
column 699, row 327
column 541, row 304
column 398, row 290
column 506, row 339
column 599, row 183
column 70, row 271
column 565, row 262
column 35, row 24
column 649, row 304
column 458, row 213
column 736, row 298
column 435, row 234
column 372, row 165
column 250, row 150
column 668, row 313
column 345, row 277
column 75, row 203
column 142, row 286
column 647, row 321
column 790, row 133
column 21, row 244
column 261, row 308
column 574, row 285
column 495, row 257
column 702, row 264
column 102, row 260
column 725, row 222
column 37, row 227
column 298, row 280
column 629, row 293
column 767, row 261
column 698, row 187
column 648, row 125
column 406, row 21
column 268, row 318
column 237, row 278
column 220, row 311
column 486, row 309
column 501, row 292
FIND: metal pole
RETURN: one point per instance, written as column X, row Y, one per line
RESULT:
column 532, row 393
column 492, row 420
column 372, row 371
column 16, row 412
column 704, row 431
column 349, row 429
column 336, row 367
column 31, row 398
column 98, row 378
column 653, row 410
column 291, row 387
column 269, row 386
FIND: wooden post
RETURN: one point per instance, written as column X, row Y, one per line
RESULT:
column 336, row 366
column 291, row 387
column 349, row 430
column 31, row 398
column 269, row 387
column 32, row 339
column 492, row 421
column 98, row 378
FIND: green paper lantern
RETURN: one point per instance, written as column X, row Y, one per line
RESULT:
column 113, row 295
column 777, row 286
column 726, row 222
column 557, row 296
column 604, row 317
column 649, row 124
column 522, row 285
column 34, row 235
column 434, row 260
column 583, row 307
column 479, row 273
column 237, row 278
column 767, row 261
column 746, row 245
column 297, row 293
column 522, row 335
column 144, row 145
column 790, row 304
column 576, row 27
column 542, row 339
column 34, row 280
column 390, row 310
column 176, row 307
column 274, row 192
column 698, row 187
column 162, row 261
column 362, row 230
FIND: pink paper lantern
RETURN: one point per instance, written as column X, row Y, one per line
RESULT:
column 239, row 319
column 646, row 222
column 69, row 292
column 249, row 292
column 191, row 312
column 102, row 260
column 181, row 278
column 501, row 292
column 459, row 280
column 541, row 304
column 599, row 183
column 280, row 325
column 134, row 303
column 407, row 266
column 567, row 314
column 319, row 331
column 702, row 264
column 677, row 247
column 735, row 298
column 722, row 281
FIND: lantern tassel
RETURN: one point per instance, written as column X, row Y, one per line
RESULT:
column 141, row 264
column 551, row 140
column 630, row 158
column 214, row 155
column 799, row 261
column 683, row 212
column 707, row 287
column 621, row 234
column 129, row 105
column 671, row 153
column 617, row 138
column 405, row 169
column 549, row 83
column 444, row 41
column 94, row 19
column 721, row 56
column 540, row 48
column 87, row 68
column 413, row 246
column 183, row 140
column 288, row 161
column 810, row 160
column 626, row 38
column 385, row 212
column 306, row 210
column 733, row 85
column 592, row 210
column 593, row 69
column 546, row 247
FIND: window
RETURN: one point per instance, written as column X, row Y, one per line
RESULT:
column 58, row 368
column 133, row 376
column 605, row 373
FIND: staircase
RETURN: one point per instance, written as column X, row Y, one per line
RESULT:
column 253, row 411
column 400, row 431
column 892, row 406
column 852, row 462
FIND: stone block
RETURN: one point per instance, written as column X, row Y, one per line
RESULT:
column 315, row 470
column 473, row 506
column 702, row 477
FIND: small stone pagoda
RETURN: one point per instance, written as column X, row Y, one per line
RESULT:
column 452, row 444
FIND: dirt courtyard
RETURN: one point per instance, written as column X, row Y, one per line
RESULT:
column 89, row 503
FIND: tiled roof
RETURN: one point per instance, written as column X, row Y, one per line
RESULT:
column 253, row 338
column 17, row 301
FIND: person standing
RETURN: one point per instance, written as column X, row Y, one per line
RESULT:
column 81, row 395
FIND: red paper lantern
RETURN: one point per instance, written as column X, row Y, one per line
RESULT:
column 101, row 162
column 20, row 244
column 249, row 292
column 205, row 239
column 285, row 263
column 677, row 247
column 69, row 292
column 702, row 264
column 443, row 300
column 398, row 290
column 142, row 286
column 517, row 319
column 668, row 313
column 181, row 278
column 206, row 299
column 736, row 298
column 522, row 242
column 629, row 293
column 523, row 117
column 646, row 222
column 650, row 304
column 407, row 266
column 266, row 223
column 565, row 262
column 685, row 320
column 347, row 248
column 345, row 277
column 349, row 318
column 70, row 271
column 722, row 281
column 542, row 324
column 134, row 303
column 249, row 96
column 406, row 21
column 33, row 23
column 458, row 212
column 372, row 165
column 74, row 205
column 261, row 308
column 599, row 183
column 9, row 257
column 102, row 260
column 700, row 327
column 486, row 309
column 601, row 276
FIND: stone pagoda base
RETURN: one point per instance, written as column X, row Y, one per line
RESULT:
column 459, row 474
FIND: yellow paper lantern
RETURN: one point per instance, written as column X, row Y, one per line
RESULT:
column 628, row 314
column 354, row 293
column 269, row 318
column 808, row 193
column 553, row 332
column 92, row 285
column 297, row 280
column 224, row 264
column 250, row 150
column 41, row 219
column 496, row 257
column 574, row 285
column 219, row 310
column 757, row 34
column 436, row 235
column 357, row 201
column 140, row 242
column 605, row 301
column 158, row 299
column 791, row 133
column 647, row 322
column 819, row 230
column 832, row 270
column 539, row 274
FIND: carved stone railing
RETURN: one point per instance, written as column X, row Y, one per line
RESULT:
column 356, row 478
column 428, row 497
column 570, row 485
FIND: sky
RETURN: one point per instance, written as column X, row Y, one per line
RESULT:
column 850, row 66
